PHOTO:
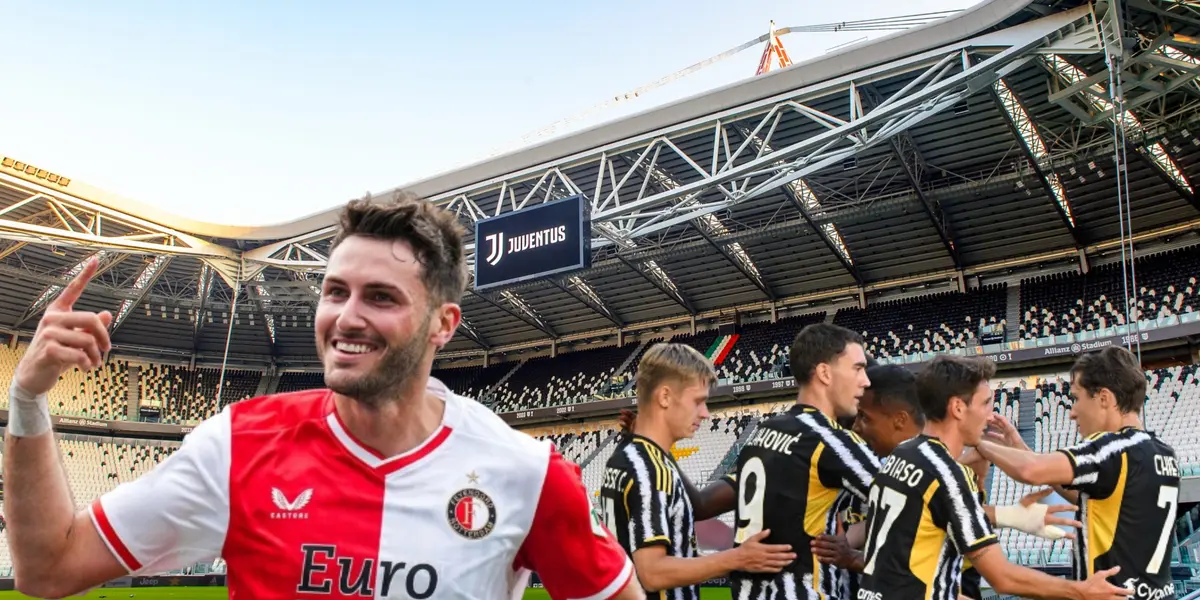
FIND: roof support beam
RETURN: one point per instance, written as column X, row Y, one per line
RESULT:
column 850, row 267
column 107, row 260
column 757, row 280
column 468, row 331
column 143, row 285
column 262, row 301
column 536, row 323
column 673, row 293
column 1017, row 119
column 204, row 289
column 905, row 149
column 1144, row 155
column 599, row 309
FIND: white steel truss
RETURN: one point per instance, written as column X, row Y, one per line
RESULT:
column 106, row 259
column 86, row 224
column 141, row 286
column 1156, row 71
column 1019, row 119
column 629, row 201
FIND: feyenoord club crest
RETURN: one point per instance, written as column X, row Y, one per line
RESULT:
column 471, row 513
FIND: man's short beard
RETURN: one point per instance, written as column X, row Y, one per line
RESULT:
column 385, row 381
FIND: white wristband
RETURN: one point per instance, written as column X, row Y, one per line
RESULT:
column 28, row 415
column 1030, row 519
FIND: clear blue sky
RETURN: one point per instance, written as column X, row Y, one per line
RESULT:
column 260, row 112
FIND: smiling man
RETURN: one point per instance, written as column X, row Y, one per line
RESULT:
column 385, row 485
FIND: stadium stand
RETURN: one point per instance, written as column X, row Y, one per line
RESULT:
column 1073, row 302
column 761, row 349
column 190, row 395
column 933, row 323
column 566, row 379
column 295, row 381
column 1038, row 406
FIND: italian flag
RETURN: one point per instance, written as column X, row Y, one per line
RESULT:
column 720, row 348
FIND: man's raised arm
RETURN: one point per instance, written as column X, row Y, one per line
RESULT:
column 173, row 516
column 55, row 551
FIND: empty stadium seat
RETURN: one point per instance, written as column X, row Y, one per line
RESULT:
column 933, row 323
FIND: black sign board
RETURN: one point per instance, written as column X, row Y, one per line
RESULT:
column 532, row 242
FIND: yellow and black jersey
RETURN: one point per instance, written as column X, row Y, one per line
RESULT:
column 791, row 475
column 645, row 504
column 923, row 516
column 971, row 586
column 1128, row 484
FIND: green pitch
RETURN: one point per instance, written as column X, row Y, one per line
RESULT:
column 213, row 593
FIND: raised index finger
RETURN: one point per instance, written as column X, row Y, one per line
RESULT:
column 66, row 300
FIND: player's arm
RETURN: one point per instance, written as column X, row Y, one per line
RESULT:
column 172, row 517
column 716, row 499
column 658, row 571
column 1009, row 579
column 55, row 551
column 1029, row 467
column 572, row 553
column 1003, row 432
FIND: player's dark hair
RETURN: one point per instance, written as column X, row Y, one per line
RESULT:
column 815, row 344
column 435, row 235
column 895, row 387
column 948, row 376
column 1116, row 369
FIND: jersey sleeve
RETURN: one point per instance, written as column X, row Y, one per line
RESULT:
column 567, row 546
column 956, row 503
column 1095, row 464
column 847, row 462
column 647, row 498
column 177, row 514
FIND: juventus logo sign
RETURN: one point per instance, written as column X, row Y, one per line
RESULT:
column 536, row 241
column 496, row 248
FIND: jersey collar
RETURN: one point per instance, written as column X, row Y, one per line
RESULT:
column 800, row 407
column 373, row 459
column 932, row 438
column 652, row 443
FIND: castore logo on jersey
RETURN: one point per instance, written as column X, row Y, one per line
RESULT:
column 290, row 510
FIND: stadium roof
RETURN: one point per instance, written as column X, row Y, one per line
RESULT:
column 975, row 144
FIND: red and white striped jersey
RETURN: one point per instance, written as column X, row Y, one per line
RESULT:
column 299, row 509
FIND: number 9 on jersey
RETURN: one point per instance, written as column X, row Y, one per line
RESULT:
column 750, row 510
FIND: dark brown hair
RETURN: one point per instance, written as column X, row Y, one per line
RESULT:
column 818, row 343
column 1116, row 369
column 434, row 234
column 948, row 376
